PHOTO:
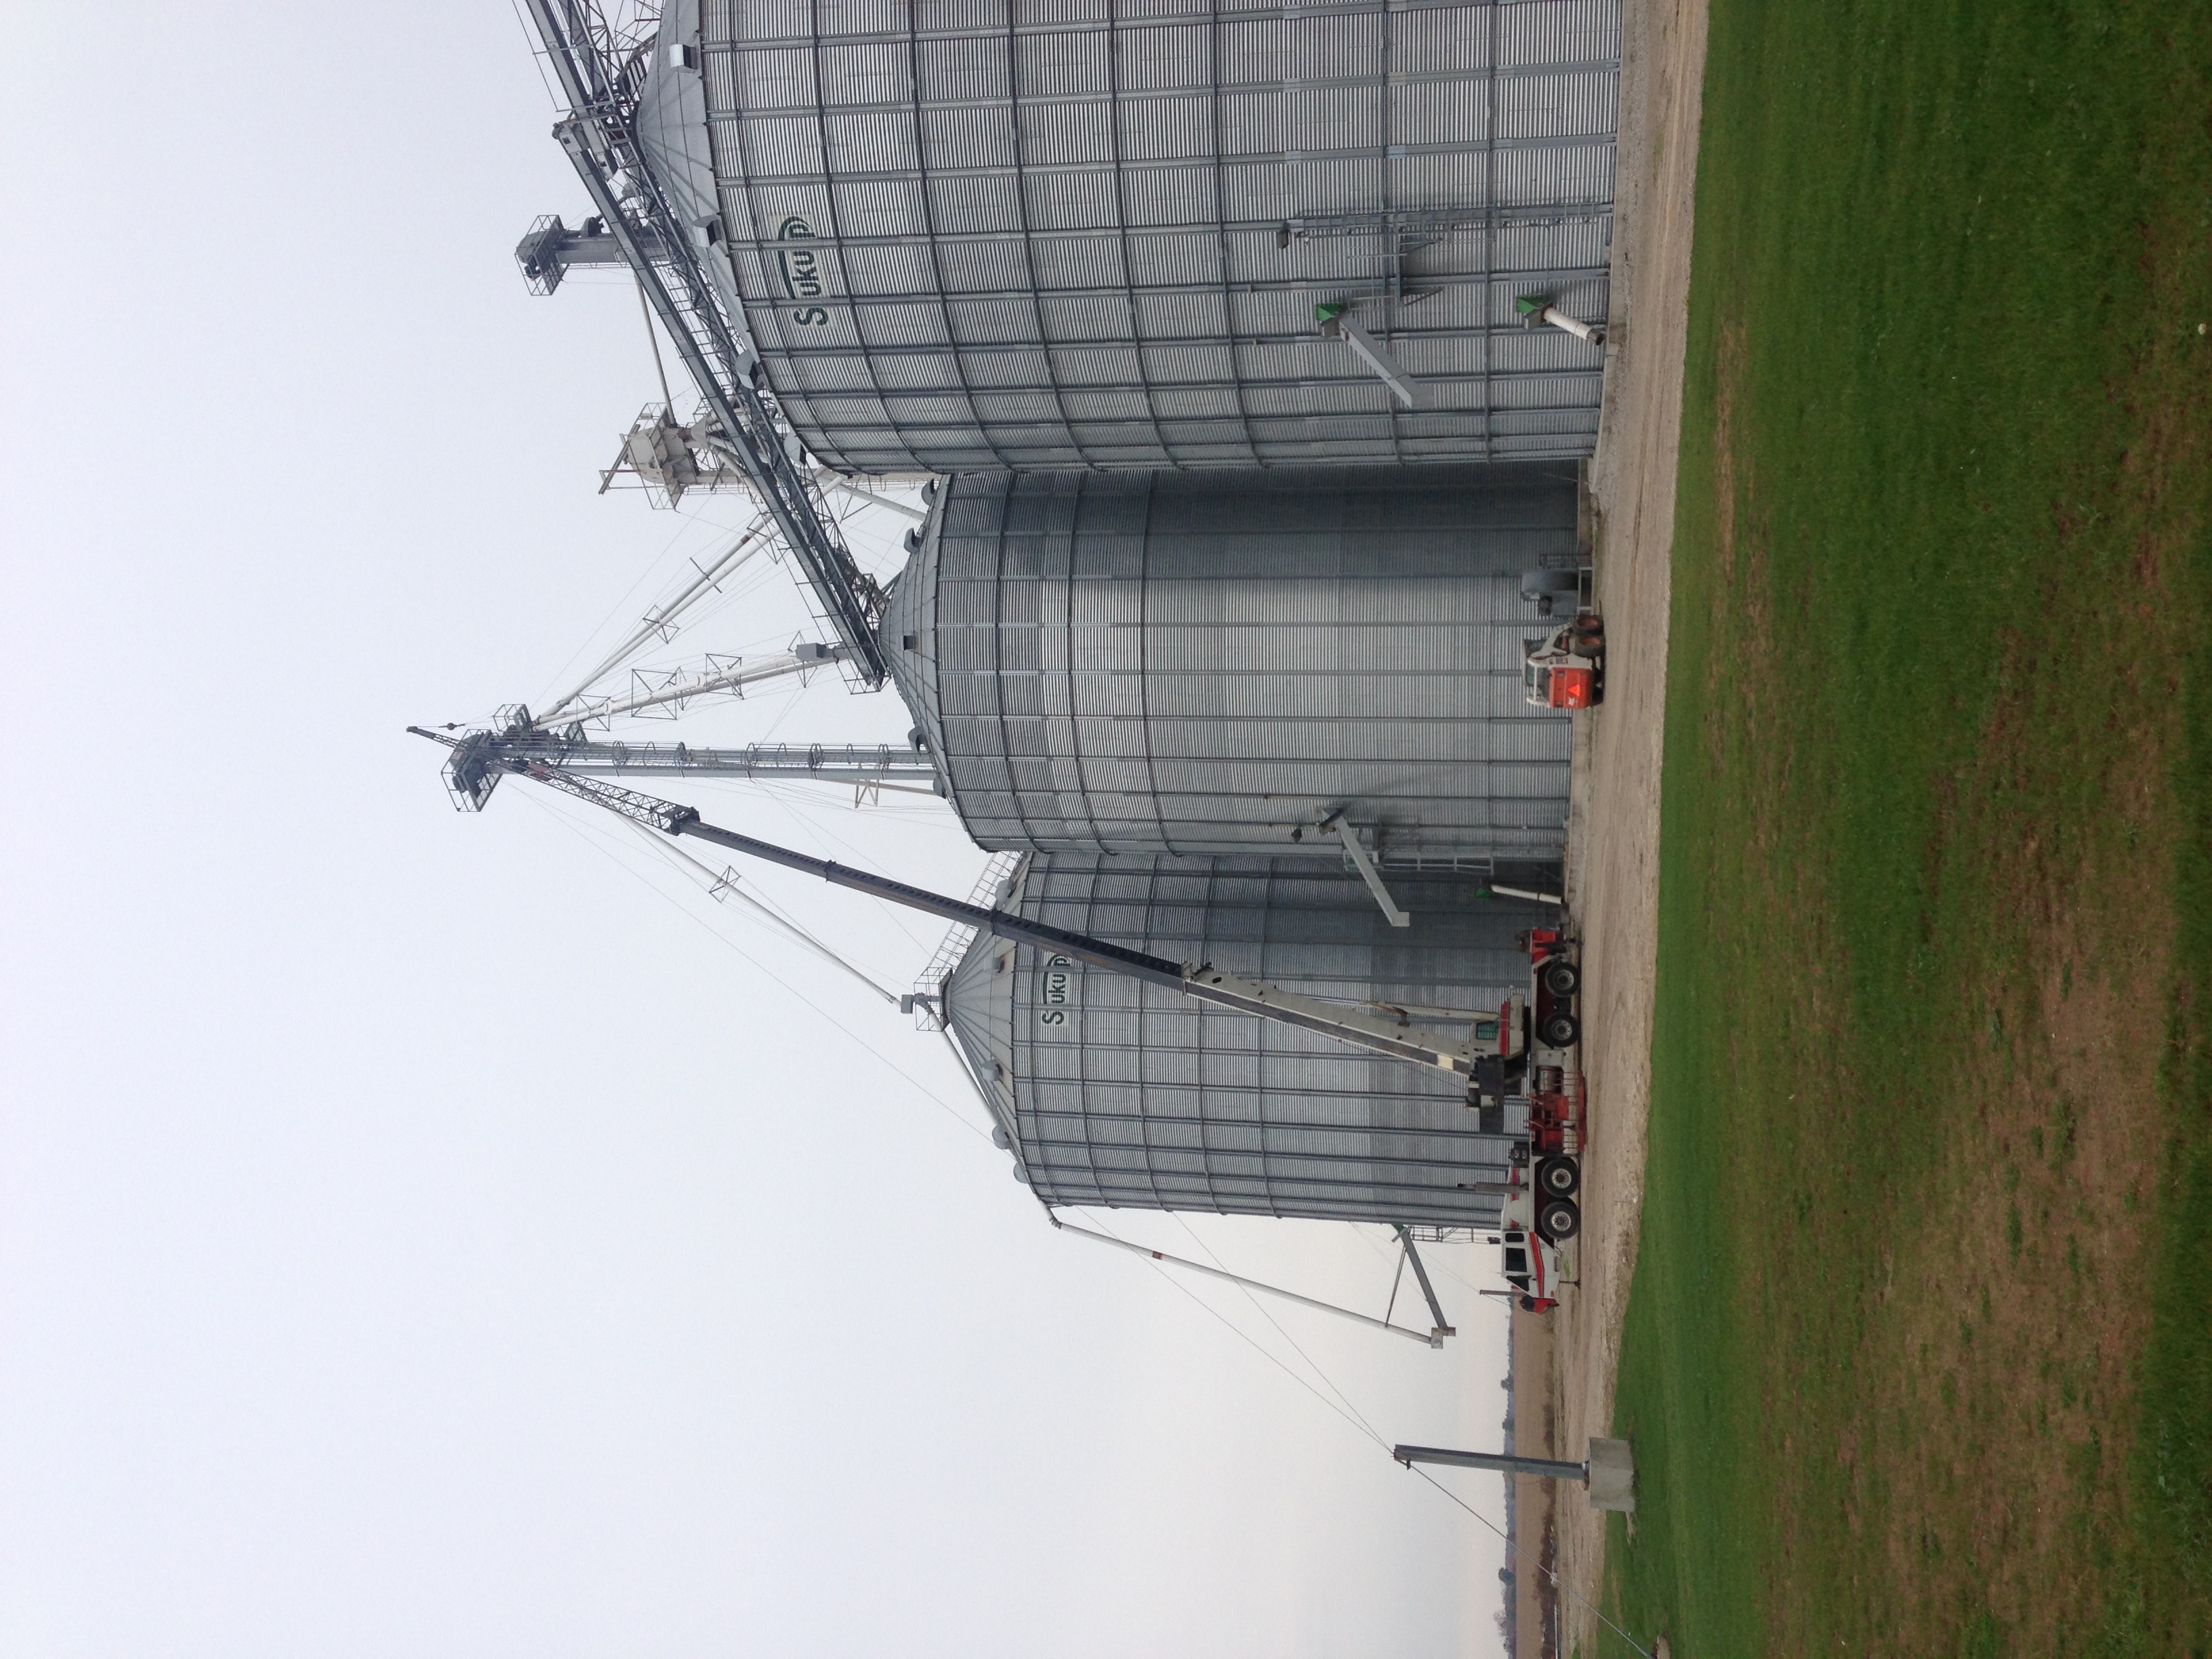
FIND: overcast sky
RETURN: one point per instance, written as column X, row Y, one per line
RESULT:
column 426, row 1234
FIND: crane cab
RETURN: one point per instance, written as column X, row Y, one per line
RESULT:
column 1504, row 1034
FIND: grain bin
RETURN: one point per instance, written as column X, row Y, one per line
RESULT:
column 978, row 234
column 1217, row 661
column 1113, row 1091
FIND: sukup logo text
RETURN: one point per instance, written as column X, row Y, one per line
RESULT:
column 802, row 269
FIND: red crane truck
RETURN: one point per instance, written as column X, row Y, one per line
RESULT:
column 1540, row 1215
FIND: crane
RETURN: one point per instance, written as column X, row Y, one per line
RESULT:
column 477, row 762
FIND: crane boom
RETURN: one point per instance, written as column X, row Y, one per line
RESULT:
column 471, row 771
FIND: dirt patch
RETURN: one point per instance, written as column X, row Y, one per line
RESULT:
column 1536, row 1434
column 1613, row 881
column 2019, row 1296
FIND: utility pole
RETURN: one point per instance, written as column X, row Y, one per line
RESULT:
column 1609, row 1473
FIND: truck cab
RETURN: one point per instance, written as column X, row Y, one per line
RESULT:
column 1565, row 669
column 1534, row 1267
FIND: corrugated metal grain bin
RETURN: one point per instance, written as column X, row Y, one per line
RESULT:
column 976, row 234
column 1214, row 661
column 1113, row 1091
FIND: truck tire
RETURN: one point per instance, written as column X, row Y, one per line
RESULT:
column 1561, row 1031
column 1558, row 1219
column 1558, row 1177
column 1561, row 979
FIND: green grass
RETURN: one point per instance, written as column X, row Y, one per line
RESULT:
column 1916, row 1359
